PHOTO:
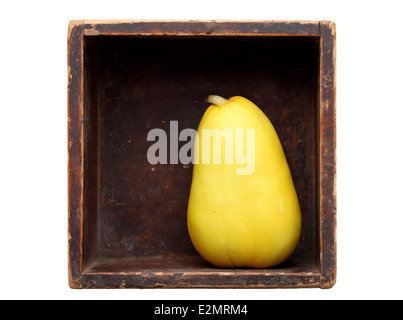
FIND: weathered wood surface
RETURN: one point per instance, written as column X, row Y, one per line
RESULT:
column 127, row 218
column 327, row 154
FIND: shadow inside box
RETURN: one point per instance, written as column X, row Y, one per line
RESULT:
column 136, row 84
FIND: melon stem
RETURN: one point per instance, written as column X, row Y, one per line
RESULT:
column 216, row 100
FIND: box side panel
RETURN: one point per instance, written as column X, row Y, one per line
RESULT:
column 91, row 147
column 162, row 273
column 75, row 151
column 199, row 280
column 327, row 149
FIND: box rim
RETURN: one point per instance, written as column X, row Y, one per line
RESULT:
column 327, row 154
column 202, row 27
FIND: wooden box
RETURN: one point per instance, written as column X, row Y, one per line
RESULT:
column 127, row 218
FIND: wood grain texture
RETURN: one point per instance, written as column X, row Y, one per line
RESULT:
column 127, row 218
column 327, row 155
column 210, row 28
column 75, row 150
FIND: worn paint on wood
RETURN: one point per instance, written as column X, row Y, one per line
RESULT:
column 327, row 154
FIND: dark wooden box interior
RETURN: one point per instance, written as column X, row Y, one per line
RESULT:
column 134, row 212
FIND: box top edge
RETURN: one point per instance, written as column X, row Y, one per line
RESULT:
column 202, row 27
column 118, row 21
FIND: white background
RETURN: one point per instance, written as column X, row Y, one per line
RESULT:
column 33, row 142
